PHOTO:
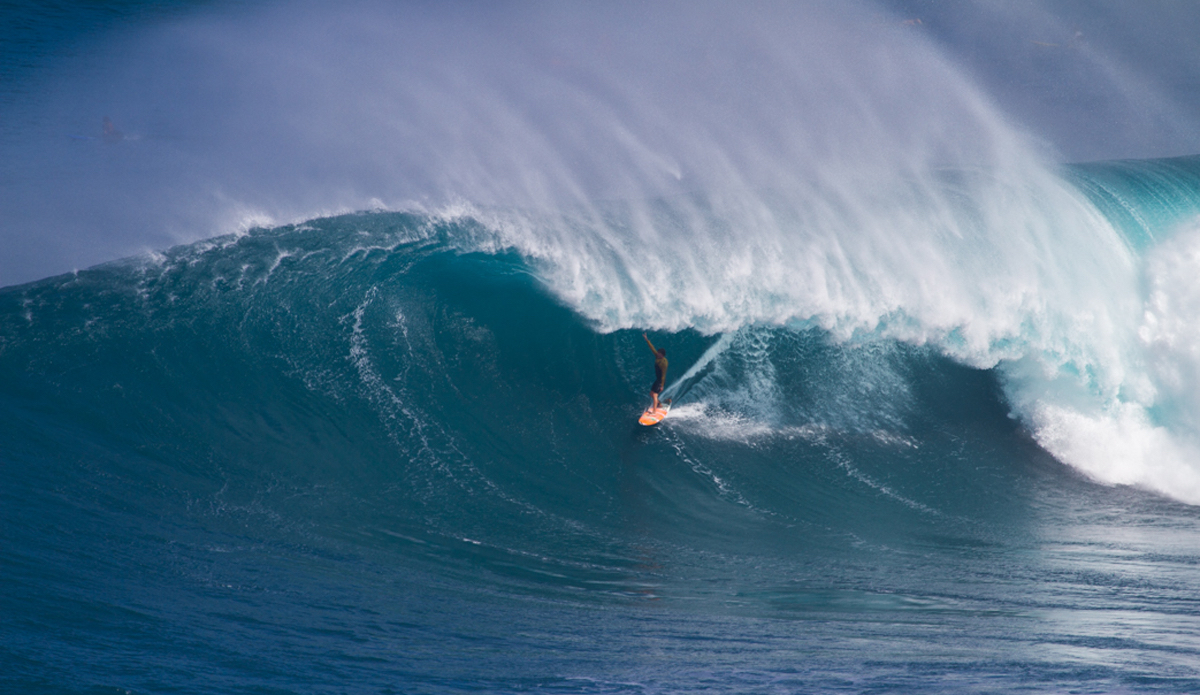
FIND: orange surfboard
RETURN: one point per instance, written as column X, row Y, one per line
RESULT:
column 653, row 415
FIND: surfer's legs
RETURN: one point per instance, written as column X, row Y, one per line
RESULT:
column 655, row 389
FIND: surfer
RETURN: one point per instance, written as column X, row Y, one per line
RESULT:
column 660, row 370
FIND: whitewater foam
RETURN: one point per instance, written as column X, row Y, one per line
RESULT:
column 707, row 421
column 1141, row 429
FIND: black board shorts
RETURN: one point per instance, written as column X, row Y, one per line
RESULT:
column 656, row 387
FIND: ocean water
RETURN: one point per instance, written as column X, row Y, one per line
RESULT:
column 935, row 427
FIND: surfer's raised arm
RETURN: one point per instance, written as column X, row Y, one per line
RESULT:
column 652, row 348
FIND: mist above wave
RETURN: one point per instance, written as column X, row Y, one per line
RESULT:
column 235, row 116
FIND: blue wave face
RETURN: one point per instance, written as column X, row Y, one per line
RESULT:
column 359, row 437
column 1147, row 201
column 449, row 388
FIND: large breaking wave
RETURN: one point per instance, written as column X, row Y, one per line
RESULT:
column 1074, row 289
